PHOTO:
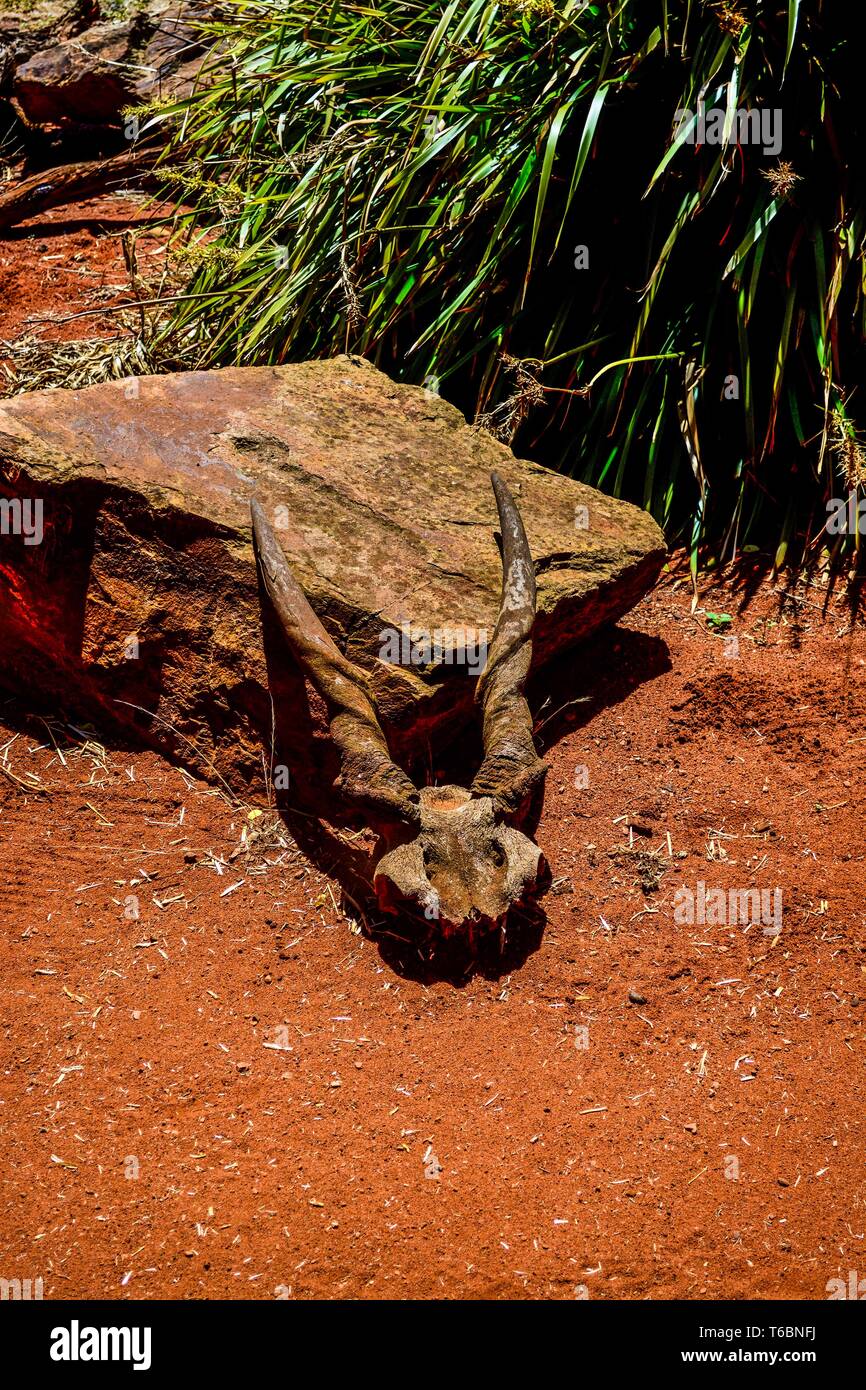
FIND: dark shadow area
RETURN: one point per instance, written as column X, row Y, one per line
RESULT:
column 598, row 674
column 793, row 587
column 565, row 694
column 416, row 952
column 43, row 602
column 412, row 946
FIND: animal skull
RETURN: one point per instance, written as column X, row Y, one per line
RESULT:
column 465, row 868
column 453, row 855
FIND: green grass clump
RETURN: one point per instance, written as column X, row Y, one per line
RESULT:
column 503, row 198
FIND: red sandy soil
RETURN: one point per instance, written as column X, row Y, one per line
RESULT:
column 236, row 1095
column 66, row 261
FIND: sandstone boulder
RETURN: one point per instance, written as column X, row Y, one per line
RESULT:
column 128, row 587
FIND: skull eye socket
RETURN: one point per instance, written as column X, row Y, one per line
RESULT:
column 497, row 856
column 430, row 857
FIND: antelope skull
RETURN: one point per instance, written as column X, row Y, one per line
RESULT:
column 453, row 855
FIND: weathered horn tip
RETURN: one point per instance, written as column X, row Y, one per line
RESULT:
column 501, row 491
column 262, row 532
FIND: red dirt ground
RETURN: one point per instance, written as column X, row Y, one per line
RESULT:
column 66, row 261
column 234, row 1095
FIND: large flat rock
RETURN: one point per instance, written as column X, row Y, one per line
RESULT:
column 143, row 590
